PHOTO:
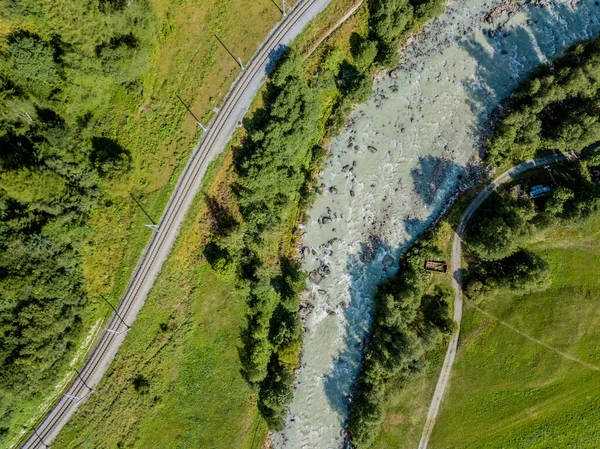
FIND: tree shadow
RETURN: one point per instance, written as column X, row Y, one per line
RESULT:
column 221, row 219
column 513, row 54
column 274, row 56
column 431, row 174
column 108, row 157
column 111, row 6
column 366, row 270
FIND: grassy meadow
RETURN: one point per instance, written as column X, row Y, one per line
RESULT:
column 179, row 56
column 509, row 391
column 188, row 61
column 176, row 381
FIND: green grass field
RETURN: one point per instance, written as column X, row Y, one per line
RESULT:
column 182, row 356
column 183, row 348
column 508, row 391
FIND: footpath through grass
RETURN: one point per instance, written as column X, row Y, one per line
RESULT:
column 508, row 391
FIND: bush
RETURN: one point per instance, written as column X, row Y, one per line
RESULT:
column 141, row 384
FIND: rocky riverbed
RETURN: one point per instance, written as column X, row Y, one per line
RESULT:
column 393, row 170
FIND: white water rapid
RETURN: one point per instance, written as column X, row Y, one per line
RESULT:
column 426, row 126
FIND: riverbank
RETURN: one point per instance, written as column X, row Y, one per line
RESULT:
column 426, row 124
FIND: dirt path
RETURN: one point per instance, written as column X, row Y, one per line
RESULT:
column 457, row 281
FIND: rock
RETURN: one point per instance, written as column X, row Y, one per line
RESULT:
column 322, row 292
column 315, row 277
column 345, row 168
column 332, row 190
column 313, row 251
column 387, row 261
column 326, row 271
column 326, row 220
column 352, row 193
column 393, row 74
column 372, row 149
column 331, row 313
column 306, row 251
column 344, row 305
column 354, row 163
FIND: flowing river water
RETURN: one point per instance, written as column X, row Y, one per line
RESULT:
column 426, row 127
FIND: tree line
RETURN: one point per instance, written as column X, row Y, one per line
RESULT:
column 409, row 321
column 53, row 162
column 556, row 109
column 275, row 169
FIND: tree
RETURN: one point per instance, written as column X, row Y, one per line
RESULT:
column 364, row 52
column 499, row 226
column 521, row 273
column 557, row 200
column 34, row 64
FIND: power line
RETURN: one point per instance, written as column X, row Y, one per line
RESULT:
column 119, row 316
column 237, row 60
column 204, row 128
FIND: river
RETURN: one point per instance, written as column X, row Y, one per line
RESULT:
column 426, row 127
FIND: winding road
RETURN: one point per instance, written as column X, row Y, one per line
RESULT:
column 457, row 281
column 156, row 252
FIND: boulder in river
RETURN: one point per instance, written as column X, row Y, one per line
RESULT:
column 331, row 313
column 306, row 251
column 315, row 277
column 372, row 149
column 351, row 192
column 387, row 261
column 326, row 220
column 332, row 190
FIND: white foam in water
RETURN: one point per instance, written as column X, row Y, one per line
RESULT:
column 451, row 78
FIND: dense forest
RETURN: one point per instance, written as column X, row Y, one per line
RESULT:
column 283, row 142
column 555, row 110
column 56, row 79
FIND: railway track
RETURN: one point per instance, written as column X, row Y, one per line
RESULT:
column 212, row 143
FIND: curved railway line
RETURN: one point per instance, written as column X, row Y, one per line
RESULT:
column 212, row 143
